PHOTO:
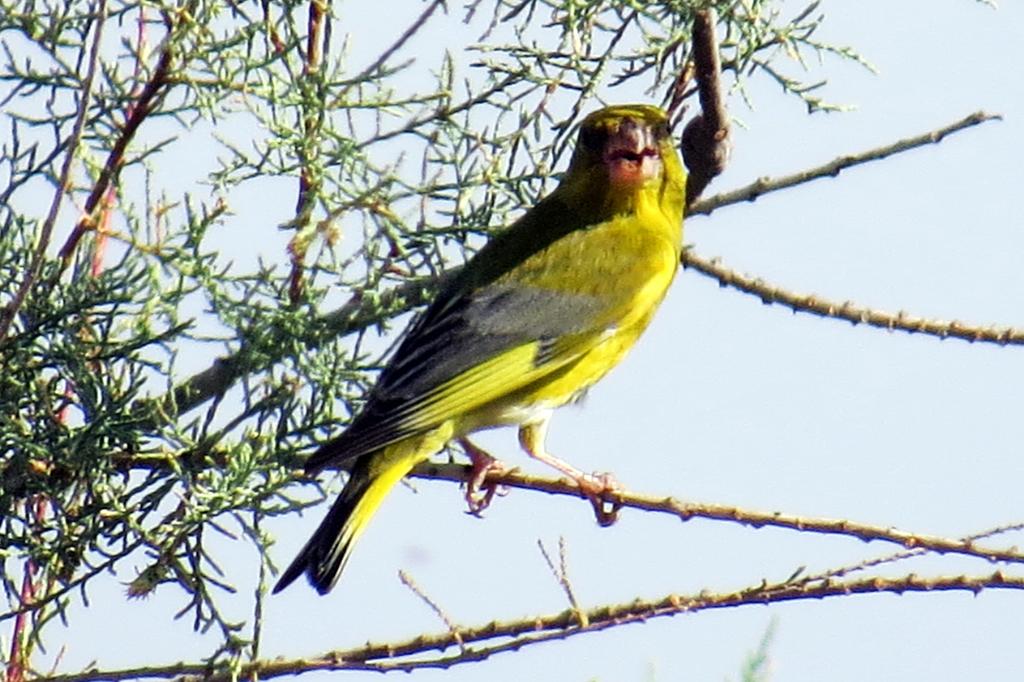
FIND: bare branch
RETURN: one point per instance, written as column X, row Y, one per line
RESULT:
column 409, row 655
column 771, row 294
column 706, row 143
column 720, row 512
column 831, row 169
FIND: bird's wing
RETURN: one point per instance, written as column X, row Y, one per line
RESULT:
column 495, row 341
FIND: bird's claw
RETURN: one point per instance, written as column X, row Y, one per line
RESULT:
column 480, row 491
column 601, row 490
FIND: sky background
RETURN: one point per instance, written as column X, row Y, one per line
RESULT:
column 727, row 400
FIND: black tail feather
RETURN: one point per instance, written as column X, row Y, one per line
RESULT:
column 324, row 556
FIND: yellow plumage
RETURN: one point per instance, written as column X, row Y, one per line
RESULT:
column 542, row 312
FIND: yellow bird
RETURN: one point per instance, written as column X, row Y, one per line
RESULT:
column 537, row 316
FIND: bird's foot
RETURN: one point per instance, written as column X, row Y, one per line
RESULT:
column 480, row 491
column 601, row 489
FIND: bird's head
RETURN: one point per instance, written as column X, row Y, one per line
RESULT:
column 624, row 150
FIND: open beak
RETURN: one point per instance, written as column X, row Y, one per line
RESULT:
column 631, row 155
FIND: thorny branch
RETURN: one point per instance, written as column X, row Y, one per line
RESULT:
column 720, row 512
column 414, row 654
column 834, row 167
column 771, row 294
column 687, row 510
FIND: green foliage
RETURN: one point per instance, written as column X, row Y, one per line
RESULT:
column 757, row 664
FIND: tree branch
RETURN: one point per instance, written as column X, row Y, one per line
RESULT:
column 719, row 512
column 354, row 316
column 767, row 185
column 409, row 655
column 685, row 511
column 706, row 144
column 771, row 294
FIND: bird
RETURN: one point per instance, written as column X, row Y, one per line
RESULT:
column 539, row 314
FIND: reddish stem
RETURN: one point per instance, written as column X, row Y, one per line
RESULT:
column 307, row 183
column 17, row 666
column 136, row 114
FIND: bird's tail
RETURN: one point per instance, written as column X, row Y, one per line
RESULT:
column 325, row 554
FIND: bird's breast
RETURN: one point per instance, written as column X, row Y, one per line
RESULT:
column 629, row 264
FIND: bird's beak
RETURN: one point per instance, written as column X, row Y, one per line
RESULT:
column 631, row 155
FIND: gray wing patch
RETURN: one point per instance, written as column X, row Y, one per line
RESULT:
column 531, row 312
column 470, row 331
column 493, row 320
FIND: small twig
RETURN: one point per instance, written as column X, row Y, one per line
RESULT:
column 679, row 91
column 849, row 311
column 63, row 184
column 445, row 112
column 434, row 606
column 395, row 47
column 21, row 636
column 561, row 574
column 894, row 557
column 312, row 120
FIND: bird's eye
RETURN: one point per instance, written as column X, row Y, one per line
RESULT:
column 593, row 137
column 662, row 130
